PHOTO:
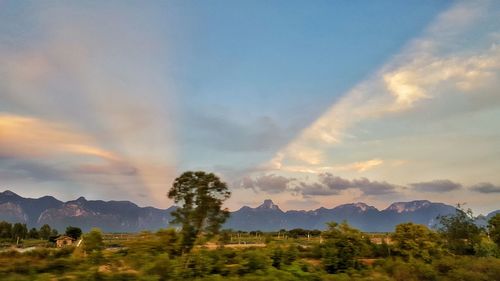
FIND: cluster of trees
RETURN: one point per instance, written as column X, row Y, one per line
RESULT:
column 458, row 234
column 462, row 236
column 343, row 255
column 344, row 247
column 458, row 250
column 19, row 231
column 200, row 215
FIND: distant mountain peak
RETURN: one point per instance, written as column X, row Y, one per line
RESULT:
column 411, row 206
column 268, row 204
column 363, row 206
column 359, row 206
column 81, row 199
column 8, row 193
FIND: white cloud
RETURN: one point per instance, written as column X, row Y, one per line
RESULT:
column 433, row 65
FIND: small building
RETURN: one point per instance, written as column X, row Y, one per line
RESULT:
column 64, row 240
column 380, row 240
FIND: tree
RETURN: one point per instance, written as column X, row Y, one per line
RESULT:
column 460, row 231
column 93, row 245
column 277, row 257
column 201, row 196
column 342, row 248
column 45, row 231
column 415, row 241
column 92, row 241
column 19, row 231
column 5, row 230
column 494, row 228
column 73, row 232
column 33, row 233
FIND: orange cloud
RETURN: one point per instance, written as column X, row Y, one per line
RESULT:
column 29, row 137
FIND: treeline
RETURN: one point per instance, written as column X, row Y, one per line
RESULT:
column 458, row 250
column 19, row 231
column 292, row 233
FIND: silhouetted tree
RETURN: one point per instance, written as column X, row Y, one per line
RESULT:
column 33, row 233
column 494, row 228
column 5, row 230
column 45, row 231
column 201, row 196
column 19, row 231
column 73, row 232
column 460, row 231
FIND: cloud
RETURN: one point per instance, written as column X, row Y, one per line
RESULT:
column 328, row 184
column 430, row 68
column 486, row 187
column 316, row 189
column 374, row 187
column 37, row 172
column 271, row 183
column 30, row 137
column 111, row 168
column 301, row 204
column 99, row 100
column 37, row 150
column 226, row 134
column 334, row 183
column 436, row 186
column 360, row 166
column 324, row 184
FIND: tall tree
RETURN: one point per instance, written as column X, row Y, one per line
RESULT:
column 494, row 228
column 92, row 241
column 45, row 231
column 19, row 231
column 201, row 196
column 415, row 241
column 5, row 229
column 460, row 231
column 33, row 233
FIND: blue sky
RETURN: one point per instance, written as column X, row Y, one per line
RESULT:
column 309, row 103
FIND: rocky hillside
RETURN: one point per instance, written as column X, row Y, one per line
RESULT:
column 125, row 216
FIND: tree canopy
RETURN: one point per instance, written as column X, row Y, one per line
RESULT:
column 74, row 232
column 200, row 196
column 460, row 231
column 415, row 241
column 494, row 228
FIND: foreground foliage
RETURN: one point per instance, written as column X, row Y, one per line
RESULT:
column 411, row 252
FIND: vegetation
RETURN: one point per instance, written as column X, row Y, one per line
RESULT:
column 460, row 231
column 458, row 250
column 411, row 252
column 494, row 229
column 201, row 213
column 73, row 232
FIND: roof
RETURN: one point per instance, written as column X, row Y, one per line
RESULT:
column 65, row 237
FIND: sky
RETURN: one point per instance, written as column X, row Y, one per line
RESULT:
column 308, row 103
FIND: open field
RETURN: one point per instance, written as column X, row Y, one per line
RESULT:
column 341, row 253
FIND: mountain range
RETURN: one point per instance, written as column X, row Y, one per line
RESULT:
column 125, row 216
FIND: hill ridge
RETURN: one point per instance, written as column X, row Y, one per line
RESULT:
column 126, row 216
